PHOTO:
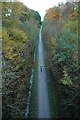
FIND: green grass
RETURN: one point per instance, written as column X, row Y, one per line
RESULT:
column 33, row 104
column 51, row 93
column 33, row 100
column 53, row 101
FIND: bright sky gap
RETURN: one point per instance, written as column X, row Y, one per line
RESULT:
column 41, row 7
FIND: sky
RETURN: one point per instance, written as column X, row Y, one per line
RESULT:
column 41, row 7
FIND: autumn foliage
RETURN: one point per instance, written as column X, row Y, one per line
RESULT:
column 20, row 38
column 60, row 38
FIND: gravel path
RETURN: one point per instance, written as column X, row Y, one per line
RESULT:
column 43, row 100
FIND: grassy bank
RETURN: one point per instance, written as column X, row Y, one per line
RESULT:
column 33, row 100
column 52, row 100
column 20, row 28
column 51, row 91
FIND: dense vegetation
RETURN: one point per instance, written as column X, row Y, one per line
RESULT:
column 60, row 38
column 20, row 38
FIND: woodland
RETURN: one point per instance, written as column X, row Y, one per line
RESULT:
column 20, row 28
column 60, row 36
column 61, row 44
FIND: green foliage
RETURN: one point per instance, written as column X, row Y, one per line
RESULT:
column 20, row 38
column 37, row 16
column 60, row 38
column 66, row 81
column 18, row 35
column 66, row 78
column 73, row 25
column 60, row 58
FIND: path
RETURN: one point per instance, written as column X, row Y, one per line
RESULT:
column 43, row 100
